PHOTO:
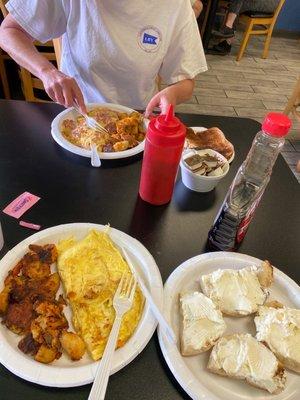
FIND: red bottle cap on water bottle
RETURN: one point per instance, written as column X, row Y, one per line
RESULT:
column 276, row 124
column 166, row 129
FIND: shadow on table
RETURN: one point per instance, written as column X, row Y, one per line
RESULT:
column 169, row 374
column 85, row 161
column 188, row 200
column 145, row 219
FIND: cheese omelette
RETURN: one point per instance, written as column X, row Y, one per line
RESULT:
column 90, row 270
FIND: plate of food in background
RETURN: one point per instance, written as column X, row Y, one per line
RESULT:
column 126, row 129
column 200, row 138
column 56, row 292
column 237, row 319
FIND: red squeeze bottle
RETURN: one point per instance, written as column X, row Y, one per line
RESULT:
column 163, row 147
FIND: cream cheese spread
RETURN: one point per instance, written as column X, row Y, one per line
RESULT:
column 202, row 323
column 235, row 292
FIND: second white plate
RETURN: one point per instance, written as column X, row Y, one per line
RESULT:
column 71, row 113
column 64, row 372
column 191, row 372
column 201, row 129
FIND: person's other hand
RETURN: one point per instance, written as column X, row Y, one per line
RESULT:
column 197, row 7
column 62, row 89
column 161, row 100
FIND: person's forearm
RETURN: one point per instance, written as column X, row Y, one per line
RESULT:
column 173, row 94
column 21, row 48
column 19, row 45
column 182, row 90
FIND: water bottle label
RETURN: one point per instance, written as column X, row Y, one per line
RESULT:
column 242, row 230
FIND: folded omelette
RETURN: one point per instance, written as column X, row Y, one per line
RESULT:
column 90, row 270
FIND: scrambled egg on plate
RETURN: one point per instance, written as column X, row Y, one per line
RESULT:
column 124, row 130
column 90, row 270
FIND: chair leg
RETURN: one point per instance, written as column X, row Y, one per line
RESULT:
column 27, row 87
column 245, row 40
column 4, row 80
column 205, row 17
column 295, row 97
column 267, row 43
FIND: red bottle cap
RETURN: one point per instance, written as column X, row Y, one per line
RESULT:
column 276, row 124
column 166, row 129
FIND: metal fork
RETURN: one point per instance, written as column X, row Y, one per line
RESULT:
column 91, row 122
column 122, row 303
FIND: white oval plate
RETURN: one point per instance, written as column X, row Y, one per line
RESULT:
column 201, row 129
column 191, row 372
column 71, row 113
column 64, row 372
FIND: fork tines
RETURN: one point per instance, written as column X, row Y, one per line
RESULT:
column 95, row 125
column 126, row 287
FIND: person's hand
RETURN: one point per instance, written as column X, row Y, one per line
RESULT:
column 161, row 100
column 62, row 89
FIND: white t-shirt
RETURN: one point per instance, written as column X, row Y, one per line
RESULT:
column 116, row 48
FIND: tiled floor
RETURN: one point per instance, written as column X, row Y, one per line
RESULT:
column 251, row 87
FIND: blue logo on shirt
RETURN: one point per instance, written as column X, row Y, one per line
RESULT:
column 149, row 39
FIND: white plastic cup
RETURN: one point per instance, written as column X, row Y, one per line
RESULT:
column 202, row 183
column 1, row 238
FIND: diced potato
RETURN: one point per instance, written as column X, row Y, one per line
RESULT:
column 4, row 296
column 52, row 285
column 47, row 253
column 73, row 345
column 120, row 146
column 46, row 354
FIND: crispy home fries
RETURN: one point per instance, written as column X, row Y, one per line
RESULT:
column 28, row 307
column 89, row 270
column 125, row 130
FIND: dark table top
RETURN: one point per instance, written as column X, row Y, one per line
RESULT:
column 72, row 191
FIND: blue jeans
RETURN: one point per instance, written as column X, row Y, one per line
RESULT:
column 240, row 6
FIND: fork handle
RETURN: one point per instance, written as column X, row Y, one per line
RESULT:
column 103, row 371
column 78, row 110
column 95, row 159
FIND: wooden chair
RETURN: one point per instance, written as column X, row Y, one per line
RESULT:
column 3, row 57
column 294, row 102
column 291, row 107
column 3, row 8
column 266, row 20
column 28, row 81
column 57, row 50
column 206, row 13
column 3, row 75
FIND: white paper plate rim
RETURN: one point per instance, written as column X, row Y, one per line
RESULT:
column 75, row 374
column 193, row 387
column 201, row 129
column 70, row 112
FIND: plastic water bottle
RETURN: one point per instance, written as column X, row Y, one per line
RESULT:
column 248, row 186
column 163, row 148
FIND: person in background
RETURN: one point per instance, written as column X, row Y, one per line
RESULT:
column 237, row 7
column 112, row 51
column 197, row 7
